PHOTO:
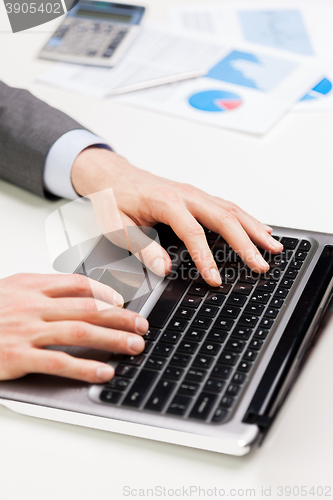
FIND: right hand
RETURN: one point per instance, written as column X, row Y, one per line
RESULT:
column 43, row 310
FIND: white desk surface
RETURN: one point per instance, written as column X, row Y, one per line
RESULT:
column 285, row 179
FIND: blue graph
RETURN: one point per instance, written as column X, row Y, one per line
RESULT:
column 322, row 89
column 249, row 70
column 282, row 29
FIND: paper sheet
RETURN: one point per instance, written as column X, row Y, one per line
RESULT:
column 158, row 51
column 296, row 26
column 245, row 91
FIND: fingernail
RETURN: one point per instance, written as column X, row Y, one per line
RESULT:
column 135, row 344
column 117, row 299
column 215, row 275
column 159, row 267
column 141, row 324
column 269, row 229
column 261, row 261
column 105, row 372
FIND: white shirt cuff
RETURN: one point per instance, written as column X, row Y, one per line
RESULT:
column 60, row 159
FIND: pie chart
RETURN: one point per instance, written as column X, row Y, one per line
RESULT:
column 321, row 90
column 215, row 101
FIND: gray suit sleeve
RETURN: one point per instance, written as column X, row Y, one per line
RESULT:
column 28, row 129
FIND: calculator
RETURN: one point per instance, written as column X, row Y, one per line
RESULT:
column 94, row 33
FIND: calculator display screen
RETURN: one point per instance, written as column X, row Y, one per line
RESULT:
column 104, row 15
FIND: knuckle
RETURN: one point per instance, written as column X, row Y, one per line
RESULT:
column 80, row 332
column 187, row 189
column 80, row 284
column 228, row 218
column 195, row 229
column 55, row 364
column 167, row 195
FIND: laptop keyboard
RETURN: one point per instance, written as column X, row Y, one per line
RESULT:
column 204, row 342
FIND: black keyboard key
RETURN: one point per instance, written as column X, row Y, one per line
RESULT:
column 214, row 385
column 173, row 373
column 240, row 332
column 243, row 288
column 286, row 283
column 184, row 312
column 274, row 274
column 276, row 303
column 203, row 406
column 301, row 255
column 215, row 335
column 108, row 396
column 179, row 405
column 187, row 347
column 201, row 322
column 239, row 378
column 249, row 321
column 148, row 346
column 256, row 344
column 198, row 289
column 170, row 337
column 215, row 299
column 245, row 366
column 188, row 388
column 266, row 323
column 248, row 276
column 126, row 371
column 140, row 388
column 155, row 363
column 179, row 325
column 229, row 275
column 195, row 375
column 289, row 242
column 167, row 302
column 191, row 301
column 232, row 390
column 235, row 299
column 194, row 334
column 261, row 333
column 221, row 371
column 223, row 324
column 160, row 395
column 119, row 384
column 228, row 358
column 235, row 345
column 266, row 286
column 163, row 350
column 227, row 401
column 255, row 309
column 281, row 293
column 209, row 311
column 220, row 414
column 134, row 360
column 203, row 361
column 152, row 334
column 261, row 297
column 224, row 288
column 180, row 360
column 250, row 355
column 210, row 348
column 291, row 274
column 271, row 312
column 295, row 264
column 304, row 245
column 230, row 312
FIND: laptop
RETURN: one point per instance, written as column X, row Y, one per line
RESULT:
column 218, row 362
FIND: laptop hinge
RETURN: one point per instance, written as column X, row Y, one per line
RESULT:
column 295, row 343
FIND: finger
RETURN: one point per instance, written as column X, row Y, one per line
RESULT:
column 64, row 365
column 76, row 285
column 259, row 233
column 82, row 334
column 74, row 304
column 145, row 249
column 119, row 319
column 227, row 225
column 192, row 234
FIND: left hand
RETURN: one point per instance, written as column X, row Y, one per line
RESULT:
column 144, row 199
